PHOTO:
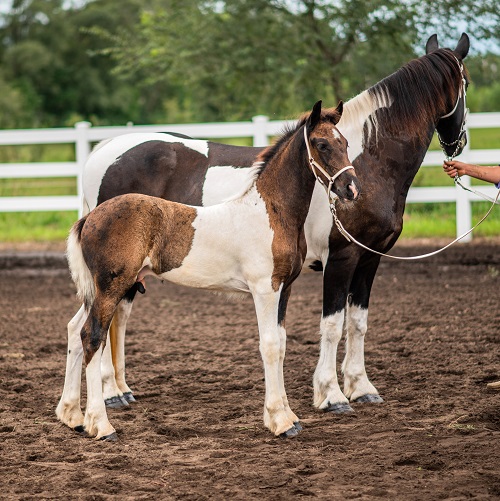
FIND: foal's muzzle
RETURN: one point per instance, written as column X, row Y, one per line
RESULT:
column 347, row 187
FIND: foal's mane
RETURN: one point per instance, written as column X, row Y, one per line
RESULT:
column 327, row 115
column 417, row 93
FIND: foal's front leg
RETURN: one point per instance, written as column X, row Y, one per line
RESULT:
column 278, row 416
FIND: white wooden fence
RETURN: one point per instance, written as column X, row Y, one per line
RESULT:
column 83, row 135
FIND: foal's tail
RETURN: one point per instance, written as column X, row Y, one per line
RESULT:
column 80, row 272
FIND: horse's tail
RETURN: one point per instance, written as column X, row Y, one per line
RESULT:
column 80, row 272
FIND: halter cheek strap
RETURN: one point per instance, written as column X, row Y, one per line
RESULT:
column 315, row 167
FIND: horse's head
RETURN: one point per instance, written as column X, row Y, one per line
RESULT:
column 451, row 126
column 327, row 152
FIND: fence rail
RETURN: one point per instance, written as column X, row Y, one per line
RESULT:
column 260, row 129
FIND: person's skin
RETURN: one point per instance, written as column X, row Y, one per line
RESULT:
column 488, row 173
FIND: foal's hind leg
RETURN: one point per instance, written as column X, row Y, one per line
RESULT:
column 357, row 386
column 68, row 410
column 115, row 390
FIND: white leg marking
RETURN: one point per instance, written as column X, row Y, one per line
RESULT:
column 290, row 414
column 276, row 418
column 122, row 314
column 356, row 383
column 68, row 410
column 96, row 421
column 109, row 386
column 326, row 386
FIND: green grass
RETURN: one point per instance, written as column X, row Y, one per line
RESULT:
column 420, row 220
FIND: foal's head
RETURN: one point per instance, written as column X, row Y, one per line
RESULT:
column 328, row 149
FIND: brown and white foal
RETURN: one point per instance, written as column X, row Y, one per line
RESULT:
column 254, row 243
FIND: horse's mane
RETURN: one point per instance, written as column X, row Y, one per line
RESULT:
column 417, row 92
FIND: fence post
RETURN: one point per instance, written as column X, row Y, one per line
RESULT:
column 463, row 204
column 260, row 130
column 82, row 152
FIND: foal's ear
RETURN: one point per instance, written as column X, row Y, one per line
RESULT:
column 338, row 112
column 463, row 46
column 314, row 117
column 432, row 44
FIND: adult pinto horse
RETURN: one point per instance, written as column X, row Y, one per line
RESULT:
column 254, row 243
column 389, row 128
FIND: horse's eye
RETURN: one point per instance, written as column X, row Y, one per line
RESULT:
column 322, row 146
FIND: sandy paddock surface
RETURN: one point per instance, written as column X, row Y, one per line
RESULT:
column 196, row 429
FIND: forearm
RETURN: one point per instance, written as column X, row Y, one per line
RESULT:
column 490, row 174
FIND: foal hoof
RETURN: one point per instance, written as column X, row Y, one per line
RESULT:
column 129, row 397
column 112, row 437
column 339, row 408
column 116, row 402
column 292, row 432
column 79, row 429
column 369, row 398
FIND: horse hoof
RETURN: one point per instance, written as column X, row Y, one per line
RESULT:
column 298, row 426
column 339, row 408
column 369, row 398
column 129, row 397
column 79, row 429
column 112, row 437
column 292, row 432
column 116, row 402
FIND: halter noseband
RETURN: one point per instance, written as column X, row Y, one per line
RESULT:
column 315, row 167
column 460, row 140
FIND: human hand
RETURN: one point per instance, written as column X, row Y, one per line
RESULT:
column 454, row 168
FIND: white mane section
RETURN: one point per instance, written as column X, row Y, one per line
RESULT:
column 226, row 183
column 358, row 112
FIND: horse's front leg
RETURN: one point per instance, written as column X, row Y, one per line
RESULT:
column 357, row 386
column 327, row 393
column 278, row 416
column 68, row 409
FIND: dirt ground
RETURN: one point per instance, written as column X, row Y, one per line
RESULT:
column 196, row 429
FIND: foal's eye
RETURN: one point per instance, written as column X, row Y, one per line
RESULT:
column 322, row 146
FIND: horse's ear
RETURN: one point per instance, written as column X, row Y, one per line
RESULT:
column 338, row 112
column 463, row 46
column 314, row 117
column 432, row 44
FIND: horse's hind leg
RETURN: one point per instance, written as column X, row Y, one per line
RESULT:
column 93, row 336
column 68, row 410
column 119, row 326
column 115, row 390
column 357, row 386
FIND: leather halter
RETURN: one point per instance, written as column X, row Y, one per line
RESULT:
column 315, row 167
column 459, row 142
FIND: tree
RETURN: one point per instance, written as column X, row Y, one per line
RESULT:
column 230, row 59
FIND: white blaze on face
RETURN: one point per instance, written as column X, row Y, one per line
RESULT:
column 336, row 133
